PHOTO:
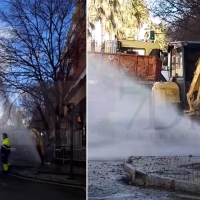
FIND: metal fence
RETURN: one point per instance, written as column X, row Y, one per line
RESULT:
column 62, row 152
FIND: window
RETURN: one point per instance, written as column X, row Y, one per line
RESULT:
column 177, row 62
column 139, row 51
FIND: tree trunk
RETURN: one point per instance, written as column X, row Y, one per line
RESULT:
column 46, row 125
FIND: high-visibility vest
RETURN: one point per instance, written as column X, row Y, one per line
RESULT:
column 6, row 145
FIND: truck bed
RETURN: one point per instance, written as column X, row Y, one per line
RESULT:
column 143, row 68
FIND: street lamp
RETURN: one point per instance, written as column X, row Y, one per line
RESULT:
column 70, row 113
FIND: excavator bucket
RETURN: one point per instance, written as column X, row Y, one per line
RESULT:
column 165, row 92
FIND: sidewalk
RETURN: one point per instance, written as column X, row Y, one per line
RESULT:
column 61, row 169
column 173, row 173
column 24, row 166
column 49, row 173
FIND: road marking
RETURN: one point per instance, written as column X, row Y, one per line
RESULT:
column 47, row 182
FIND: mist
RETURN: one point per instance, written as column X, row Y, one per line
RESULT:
column 123, row 122
column 23, row 144
column 23, row 147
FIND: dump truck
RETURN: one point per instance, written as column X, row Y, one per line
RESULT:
column 142, row 60
column 182, row 90
column 144, row 69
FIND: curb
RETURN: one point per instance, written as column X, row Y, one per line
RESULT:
column 34, row 177
column 141, row 178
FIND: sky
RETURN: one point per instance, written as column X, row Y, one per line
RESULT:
column 3, row 4
column 4, row 32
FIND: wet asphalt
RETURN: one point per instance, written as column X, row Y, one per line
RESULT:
column 12, row 188
column 107, row 180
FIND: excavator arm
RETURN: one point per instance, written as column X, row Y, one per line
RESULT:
column 193, row 95
column 39, row 142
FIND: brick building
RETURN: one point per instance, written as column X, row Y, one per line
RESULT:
column 77, row 91
column 76, row 86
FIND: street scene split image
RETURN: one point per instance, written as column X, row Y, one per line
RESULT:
column 43, row 99
column 143, row 99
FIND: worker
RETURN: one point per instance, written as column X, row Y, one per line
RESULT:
column 5, row 152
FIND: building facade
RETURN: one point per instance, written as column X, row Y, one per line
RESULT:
column 77, row 91
column 76, row 84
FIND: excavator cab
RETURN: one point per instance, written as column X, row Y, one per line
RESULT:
column 164, row 58
column 182, row 59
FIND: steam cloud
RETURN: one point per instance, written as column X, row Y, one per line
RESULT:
column 121, row 122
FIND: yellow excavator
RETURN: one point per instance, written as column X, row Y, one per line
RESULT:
column 183, row 87
column 40, row 147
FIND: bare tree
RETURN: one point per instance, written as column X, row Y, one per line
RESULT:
column 31, row 108
column 181, row 16
column 41, row 41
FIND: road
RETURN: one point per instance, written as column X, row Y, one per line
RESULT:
column 107, row 180
column 13, row 188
